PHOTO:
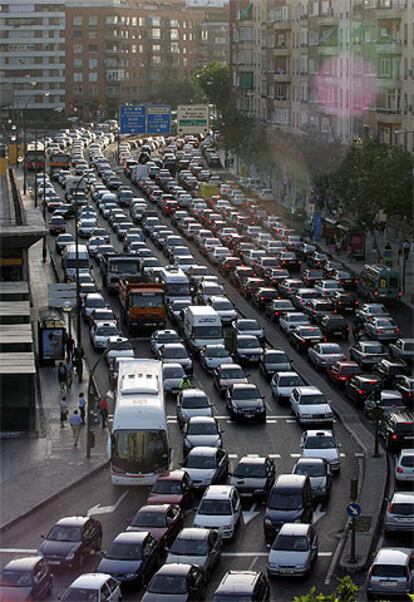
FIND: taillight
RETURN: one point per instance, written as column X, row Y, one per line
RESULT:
column 390, row 508
column 394, row 437
column 342, row 378
column 400, row 294
column 399, row 470
column 375, row 293
column 361, row 392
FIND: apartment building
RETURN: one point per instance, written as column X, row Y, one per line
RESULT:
column 344, row 67
column 213, row 41
column 32, row 51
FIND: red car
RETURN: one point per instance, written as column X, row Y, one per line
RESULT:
column 341, row 372
column 172, row 488
column 163, row 521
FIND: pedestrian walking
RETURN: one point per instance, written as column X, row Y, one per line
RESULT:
column 69, row 374
column 63, row 412
column 103, row 410
column 82, row 406
column 61, row 375
column 78, row 355
column 70, row 346
column 75, row 424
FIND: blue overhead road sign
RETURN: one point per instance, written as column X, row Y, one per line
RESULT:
column 353, row 509
column 158, row 119
column 132, row 119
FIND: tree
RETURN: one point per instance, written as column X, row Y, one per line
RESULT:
column 346, row 591
column 215, row 81
column 399, row 174
column 175, row 92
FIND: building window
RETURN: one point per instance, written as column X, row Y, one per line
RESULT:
column 92, row 20
column 141, row 21
column 155, row 34
column 77, row 62
column 76, row 34
column 93, row 77
column 78, row 48
column 385, row 67
column 93, row 63
column 156, row 60
column 92, row 35
column 77, row 76
column 93, row 47
column 154, row 21
column 174, row 47
column 78, row 21
column 174, row 34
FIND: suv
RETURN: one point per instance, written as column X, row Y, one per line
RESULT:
column 243, row 585
column 390, row 573
column 388, row 369
column 397, row 428
column 219, row 509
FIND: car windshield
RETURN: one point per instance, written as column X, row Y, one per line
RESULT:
column 217, row 352
column 167, row 337
column 290, row 381
column 124, row 551
column 297, row 318
column 407, row 461
column 107, row 331
column 232, row 373
column 406, row 509
column 12, row 578
column 250, row 393
column 312, row 400
column 198, row 401
column 329, row 349
column 320, row 443
column 276, row 358
column 189, row 547
column 223, row 306
column 149, row 519
column 172, row 372
column 201, row 462
column 285, row 501
column 165, row 486
column 408, row 346
column 312, row 470
column 247, row 325
column 60, row 533
column 80, row 594
column 250, row 470
column 209, row 428
column 214, row 507
column 248, row 344
column 207, row 332
column 289, row 543
column 373, row 348
column 175, row 353
column 168, row 584
column 384, row 322
column 95, row 303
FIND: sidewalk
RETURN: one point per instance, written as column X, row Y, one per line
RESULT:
column 35, row 469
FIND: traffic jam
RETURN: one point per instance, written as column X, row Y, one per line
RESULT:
column 261, row 336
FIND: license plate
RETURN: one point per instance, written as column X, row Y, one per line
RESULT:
column 337, row 332
column 249, row 415
column 409, row 437
column 287, row 571
column 404, row 519
column 388, row 583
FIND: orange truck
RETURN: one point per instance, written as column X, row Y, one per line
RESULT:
column 142, row 304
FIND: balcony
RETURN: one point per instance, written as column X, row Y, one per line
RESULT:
column 281, row 75
column 281, row 50
column 395, row 11
column 384, row 46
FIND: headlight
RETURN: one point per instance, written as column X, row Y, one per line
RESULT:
column 130, row 575
column 299, row 566
column 70, row 556
column 268, row 522
column 273, row 565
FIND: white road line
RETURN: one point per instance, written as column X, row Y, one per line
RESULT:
column 342, row 455
column 262, row 554
column 290, row 420
column 233, row 456
column 252, row 455
column 294, row 455
column 274, row 455
column 271, row 421
column 18, row 551
column 359, row 455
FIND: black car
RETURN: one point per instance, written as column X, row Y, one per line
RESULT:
column 254, row 476
column 388, row 369
column 245, row 403
column 344, row 302
column 27, row 578
column 397, row 429
column 131, row 558
column 249, row 586
column 310, row 276
column 346, row 279
column 70, row 540
column 359, row 387
column 304, row 337
column 405, row 385
column 367, row 353
column 278, row 306
column 274, row 360
column 333, row 326
column 176, row 581
column 316, row 259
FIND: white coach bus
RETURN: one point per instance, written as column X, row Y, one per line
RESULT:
column 139, row 439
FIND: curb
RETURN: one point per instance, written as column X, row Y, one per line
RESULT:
column 40, row 505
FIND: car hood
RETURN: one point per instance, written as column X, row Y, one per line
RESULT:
column 248, row 403
column 318, row 482
column 283, row 391
column 327, row 454
column 171, row 383
column 118, row 567
column 283, row 516
column 148, row 597
column 217, row 361
column 320, row 408
column 204, row 440
column 10, row 594
column 277, row 367
column 201, row 561
column 287, row 558
column 249, row 350
column 200, row 474
column 251, row 482
column 227, row 382
column 58, row 548
column 157, row 532
column 165, row 499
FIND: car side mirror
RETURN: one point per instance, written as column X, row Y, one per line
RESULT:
column 42, row 536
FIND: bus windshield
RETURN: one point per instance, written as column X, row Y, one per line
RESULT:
column 140, row 451
column 81, row 263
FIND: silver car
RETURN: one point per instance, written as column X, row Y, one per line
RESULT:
column 391, row 573
column 399, row 516
column 227, row 375
column 201, row 431
column 213, row 356
column 294, row 551
column 324, row 355
column 196, row 546
column 283, row 383
column 172, row 375
column 290, row 320
column 161, row 337
column 192, row 402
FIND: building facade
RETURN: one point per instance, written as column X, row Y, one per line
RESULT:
column 344, row 67
column 32, row 52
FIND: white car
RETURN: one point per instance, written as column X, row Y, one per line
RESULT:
column 290, row 320
column 283, row 383
column 100, row 333
column 321, row 444
column 324, row 355
column 92, row 301
column 220, row 507
column 217, row 254
column 327, row 288
column 404, row 467
column 310, row 405
column 224, row 307
column 98, row 587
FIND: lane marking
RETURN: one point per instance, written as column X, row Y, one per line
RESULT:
column 18, row 551
column 274, row 455
column 262, row 554
column 294, row 455
column 271, row 421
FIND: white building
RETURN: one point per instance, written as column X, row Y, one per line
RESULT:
column 32, row 52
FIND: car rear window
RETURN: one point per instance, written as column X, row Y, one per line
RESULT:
column 388, row 570
column 405, row 428
column 407, row 461
column 404, row 509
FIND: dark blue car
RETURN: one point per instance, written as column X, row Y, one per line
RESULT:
column 26, row 578
column 132, row 558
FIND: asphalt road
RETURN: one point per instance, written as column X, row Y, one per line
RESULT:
column 279, row 437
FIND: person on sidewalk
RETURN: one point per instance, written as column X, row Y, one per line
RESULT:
column 75, row 424
column 63, row 412
column 70, row 346
column 78, row 355
column 61, row 376
column 103, row 410
column 82, row 406
column 69, row 374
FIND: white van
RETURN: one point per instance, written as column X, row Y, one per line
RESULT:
column 202, row 326
column 72, row 261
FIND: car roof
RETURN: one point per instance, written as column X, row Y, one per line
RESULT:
column 253, row 460
column 136, row 537
column 237, row 582
column 308, row 390
column 194, row 533
column 392, row 556
column 218, row 492
column 195, row 392
column 23, row 563
column 294, row 529
column 202, row 419
column 155, row 507
column 174, row 475
column 174, row 568
column 90, row 581
column 403, row 497
column 202, row 450
column 72, row 521
column 308, row 460
column 319, row 433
